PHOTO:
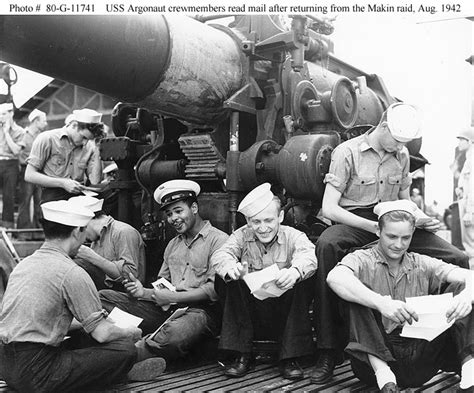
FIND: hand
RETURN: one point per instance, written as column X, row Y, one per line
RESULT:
column 163, row 297
column 460, row 307
column 133, row 286
column 431, row 226
column 72, row 186
column 467, row 219
column 397, row 311
column 287, row 278
column 238, row 271
column 134, row 333
column 87, row 254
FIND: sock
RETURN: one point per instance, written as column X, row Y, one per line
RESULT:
column 467, row 374
column 384, row 375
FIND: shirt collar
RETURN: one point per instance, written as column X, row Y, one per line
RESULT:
column 407, row 260
column 203, row 232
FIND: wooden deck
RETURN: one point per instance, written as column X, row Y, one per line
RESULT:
column 265, row 378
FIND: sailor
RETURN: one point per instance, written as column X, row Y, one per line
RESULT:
column 377, row 281
column 116, row 250
column 262, row 243
column 45, row 292
column 186, row 266
column 63, row 161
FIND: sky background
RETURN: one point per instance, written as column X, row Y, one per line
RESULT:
column 421, row 59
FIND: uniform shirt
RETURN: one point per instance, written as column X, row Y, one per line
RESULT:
column 16, row 133
column 290, row 248
column 54, row 154
column 466, row 182
column 27, row 142
column 123, row 245
column 45, row 291
column 364, row 178
column 419, row 275
column 187, row 266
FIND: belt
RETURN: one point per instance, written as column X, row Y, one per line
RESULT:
column 23, row 346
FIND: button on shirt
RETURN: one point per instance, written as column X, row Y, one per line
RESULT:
column 123, row 245
column 54, row 154
column 363, row 177
column 419, row 275
column 187, row 266
column 45, row 291
column 291, row 248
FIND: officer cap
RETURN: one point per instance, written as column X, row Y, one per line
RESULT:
column 175, row 190
column 256, row 200
column 89, row 202
column 404, row 122
column 402, row 204
column 87, row 116
column 34, row 114
column 467, row 133
column 67, row 213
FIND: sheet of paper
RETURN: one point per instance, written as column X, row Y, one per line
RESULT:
column 431, row 312
column 262, row 283
column 89, row 193
column 162, row 283
column 176, row 314
column 123, row 319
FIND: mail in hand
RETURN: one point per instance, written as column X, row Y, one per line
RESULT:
column 262, row 284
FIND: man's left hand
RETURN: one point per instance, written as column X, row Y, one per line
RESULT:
column 163, row 297
column 287, row 278
column 461, row 307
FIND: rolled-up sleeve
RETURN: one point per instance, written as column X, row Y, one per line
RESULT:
column 304, row 256
column 82, row 298
column 339, row 169
column 208, row 287
column 228, row 254
column 131, row 252
column 40, row 151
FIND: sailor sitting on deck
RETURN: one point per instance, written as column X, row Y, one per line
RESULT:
column 377, row 281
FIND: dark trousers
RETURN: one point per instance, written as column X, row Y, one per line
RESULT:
column 9, row 174
column 333, row 244
column 413, row 361
column 37, row 368
column 286, row 318
column 28, row 191
column 55, row 194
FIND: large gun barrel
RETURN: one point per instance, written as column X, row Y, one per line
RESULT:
column 175, row 65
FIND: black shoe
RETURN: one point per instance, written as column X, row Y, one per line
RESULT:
column 390, row 388
column 324, row 366
column 240, row 366
column 290, row 369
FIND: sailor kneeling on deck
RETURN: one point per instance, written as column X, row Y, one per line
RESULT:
column 44, row 293
column 377, row 281
column 261, row 244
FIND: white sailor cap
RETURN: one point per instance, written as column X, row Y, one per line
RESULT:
column 110, row 168
column 402, row 204
column 256, row 200
column 175, row 190
column 87, row 116
column 467, row 133
column 404, row 122
column 89, row 202
column 34, row 114
column 69, row 118
column 67, row 213
column 7, row 106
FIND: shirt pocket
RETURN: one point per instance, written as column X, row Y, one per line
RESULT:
column 365, row 188
column 253, row 257
column 57, row 163
column 393, row 187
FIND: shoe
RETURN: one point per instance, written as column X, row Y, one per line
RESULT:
column 290, row 369
column 147, row 370
column 390, row 388
column 324, row 366
column 240, row 366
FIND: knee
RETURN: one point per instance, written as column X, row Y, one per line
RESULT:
column 108, row 298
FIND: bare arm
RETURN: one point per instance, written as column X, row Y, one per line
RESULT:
column 342, row 280
column 107, row 331
column 334, row 212
column 32, row 175
column 11, row 144
column 108, row 267
column 462, row 302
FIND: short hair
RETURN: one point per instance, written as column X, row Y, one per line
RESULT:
column 190, row 200
column 99, row 213
column 396, row 216
column 55, row 230
column 96, row 129
column 277, row 202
